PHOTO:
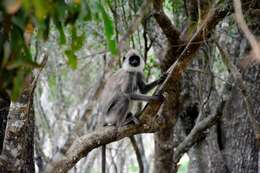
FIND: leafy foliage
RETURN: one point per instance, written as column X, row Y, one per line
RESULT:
column 19, row 19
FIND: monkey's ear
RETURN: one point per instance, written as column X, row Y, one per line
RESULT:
column 124, row 58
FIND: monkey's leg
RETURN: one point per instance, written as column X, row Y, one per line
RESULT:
column 103, row 159
column 142, row 97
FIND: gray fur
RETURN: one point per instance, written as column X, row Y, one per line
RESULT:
column 116, row 102
column 121, row 89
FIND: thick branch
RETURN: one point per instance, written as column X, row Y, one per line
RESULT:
column 86, row 143
column 170, row 31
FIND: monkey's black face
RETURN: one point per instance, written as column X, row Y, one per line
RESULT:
column 134, row 60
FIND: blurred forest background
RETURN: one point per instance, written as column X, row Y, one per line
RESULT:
column 55, row 56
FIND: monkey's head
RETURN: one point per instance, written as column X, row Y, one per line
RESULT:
column 133, row 62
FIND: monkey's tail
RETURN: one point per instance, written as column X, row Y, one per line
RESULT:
column 103, row 158
column 138, row 154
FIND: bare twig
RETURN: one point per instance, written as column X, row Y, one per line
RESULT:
column 34, row 82
column 206, row 73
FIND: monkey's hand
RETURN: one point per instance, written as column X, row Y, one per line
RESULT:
column 131, row 119
column 162, row 78
column 159, row 97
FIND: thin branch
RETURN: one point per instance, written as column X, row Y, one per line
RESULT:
column 170, row 31
column 242, row 24
column 146, row 6
column 199, row 127
column 35, row 80
column 207, row 73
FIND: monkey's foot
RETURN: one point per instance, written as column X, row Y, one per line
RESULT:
column 159, row 97
column 109, row 124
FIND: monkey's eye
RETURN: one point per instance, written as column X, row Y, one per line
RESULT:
column 124, row 58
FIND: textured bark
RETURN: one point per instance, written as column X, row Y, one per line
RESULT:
column 4, row 109
column 164, row 143
column 18, row 147
column 238, row 141
column 237, row 136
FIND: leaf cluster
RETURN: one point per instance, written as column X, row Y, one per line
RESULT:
column 20, row 19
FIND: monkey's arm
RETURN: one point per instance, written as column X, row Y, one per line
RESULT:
column 142, row 97
column 145, row 88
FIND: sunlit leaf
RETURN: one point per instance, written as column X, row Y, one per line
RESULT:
column 41, row 8
column 27, row 4
column 12, row 6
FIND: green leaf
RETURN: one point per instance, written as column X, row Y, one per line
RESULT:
column 73, row 13
column 20, row 53
column 77, row 41
column 112, row 46
column 18, row 84
column 86, row 11
column 108, row 30
column 62, row 37
column 41, row 8
column 108, row 24
column 72, row 59
column 20, row 20
column 47, row 28
column 27, row 4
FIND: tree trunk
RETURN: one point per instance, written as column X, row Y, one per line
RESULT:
column 18, row 147
column 237, row 136
column 4, row 109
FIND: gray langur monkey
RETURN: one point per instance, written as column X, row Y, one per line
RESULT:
column 121, row 90
column 124, row 87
